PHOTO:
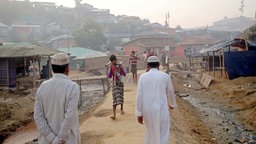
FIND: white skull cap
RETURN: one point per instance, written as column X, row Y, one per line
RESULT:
column 153, row 59
column 60, row 59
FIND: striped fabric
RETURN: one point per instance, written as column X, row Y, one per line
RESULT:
column 118, row 93
column 133, row 59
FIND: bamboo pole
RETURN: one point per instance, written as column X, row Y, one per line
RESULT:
column 223, row 62
column 220, row 63
column 189, row 63
column 213, row 63
column 49, row 67
column 34, row 73
column 7, row 72
column 25, row 65
column 246, row 44
column 39, row 66
column 208, row 62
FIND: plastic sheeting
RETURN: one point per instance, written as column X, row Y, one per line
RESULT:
column 240, row 64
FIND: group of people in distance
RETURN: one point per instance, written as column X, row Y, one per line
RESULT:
column 56, row 102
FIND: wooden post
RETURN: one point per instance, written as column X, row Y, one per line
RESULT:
column 25, row 65
column 223, row 62
column 102, row 81
column 7, row 72
column 39, row 66
column 49, row 67
column 80, row 97
column 213, row 59
column 34, row 73
column 208, row 62
column 220, row 63
column 189, row 63
column 246, row 44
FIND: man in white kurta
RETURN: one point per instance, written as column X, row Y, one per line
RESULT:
column 154, row 97
column 55, row 111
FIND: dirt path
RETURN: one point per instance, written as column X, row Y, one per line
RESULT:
column 223, row 113
column 186, row 127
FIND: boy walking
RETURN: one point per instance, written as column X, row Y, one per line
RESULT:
column 117, row 72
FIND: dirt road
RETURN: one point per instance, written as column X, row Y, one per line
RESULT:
column 223, row 113
column 99, row 128
column 203, row 116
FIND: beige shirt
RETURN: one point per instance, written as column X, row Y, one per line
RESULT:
column 55, row 111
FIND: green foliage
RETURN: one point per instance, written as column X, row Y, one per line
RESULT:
column 252, row 34
column 90, row 36
column 253, row 29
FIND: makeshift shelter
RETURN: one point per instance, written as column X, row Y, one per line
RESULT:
column 236, row 56
column 17, row 59
column 213, row 56
column 84, row 58
column 242, row 63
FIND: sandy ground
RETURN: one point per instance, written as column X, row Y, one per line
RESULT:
column 100, row 129
column 223, row 113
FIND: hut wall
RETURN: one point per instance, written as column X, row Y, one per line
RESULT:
column 240, row 64
column 7, row 72
column 217, row 62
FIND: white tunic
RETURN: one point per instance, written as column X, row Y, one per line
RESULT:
column 55, row 111
column 155, row 89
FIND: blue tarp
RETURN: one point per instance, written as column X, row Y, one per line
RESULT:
column 240, row 64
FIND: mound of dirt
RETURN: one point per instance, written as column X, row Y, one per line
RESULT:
column 16, row 110
column 239, row 97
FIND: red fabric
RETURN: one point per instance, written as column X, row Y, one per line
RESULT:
column 118, row 69
column 133, row 59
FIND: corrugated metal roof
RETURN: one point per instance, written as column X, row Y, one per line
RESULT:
column 252, row 43
column 82, row 53
column 219, row 45
column 25, row 50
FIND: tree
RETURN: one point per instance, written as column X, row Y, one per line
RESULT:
column 90, row 36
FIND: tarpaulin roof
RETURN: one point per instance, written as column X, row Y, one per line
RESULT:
column 25, row 50
column 82, row 53
column 219, row 45
column 252, row 43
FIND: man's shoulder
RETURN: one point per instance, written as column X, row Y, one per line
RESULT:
column 163, row 73
column 45, row 82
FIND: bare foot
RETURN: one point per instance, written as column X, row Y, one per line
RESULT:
column 113, row 118
column 122, row 113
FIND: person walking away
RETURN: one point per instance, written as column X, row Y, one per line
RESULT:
column 56, row 102
column 163, row 59
column 155, row 95
column 133, row 60
column 117, row 71
column 122, row 52
column 144, row 57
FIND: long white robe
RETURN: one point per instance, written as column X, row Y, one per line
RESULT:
column 154, row 96
column 55, row 111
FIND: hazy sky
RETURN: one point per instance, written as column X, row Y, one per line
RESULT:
column 186, row 13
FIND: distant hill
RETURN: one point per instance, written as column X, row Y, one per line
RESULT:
column 233, row 24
